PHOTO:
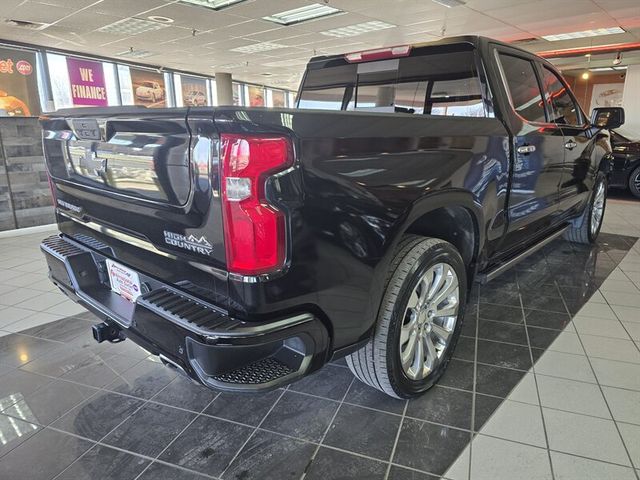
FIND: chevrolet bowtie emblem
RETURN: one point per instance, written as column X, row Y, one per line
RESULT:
column 92, row 164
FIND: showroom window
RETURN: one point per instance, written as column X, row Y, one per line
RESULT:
column 80, row 82
column 213, row 93
column 564, row 109
column 523, row 87
column 238, row 94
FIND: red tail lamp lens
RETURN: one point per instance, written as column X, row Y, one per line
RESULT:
column 254, row 230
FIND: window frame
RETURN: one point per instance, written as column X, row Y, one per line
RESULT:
column 507, row 89
column 541, row 67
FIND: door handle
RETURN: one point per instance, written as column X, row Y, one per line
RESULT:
column 570, row 145
column 526, row 149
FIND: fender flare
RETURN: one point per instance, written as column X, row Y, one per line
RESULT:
column 424, row 205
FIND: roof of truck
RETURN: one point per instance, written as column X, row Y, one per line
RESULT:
column 475, row 40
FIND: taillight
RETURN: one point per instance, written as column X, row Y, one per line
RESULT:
column 254, row 230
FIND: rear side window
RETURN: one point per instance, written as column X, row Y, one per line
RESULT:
column 523, row 87
column 561, row 104
column 437, row 81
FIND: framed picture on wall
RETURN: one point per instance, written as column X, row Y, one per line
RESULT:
column 148, row 88
column 18, row 83
column 607, row 95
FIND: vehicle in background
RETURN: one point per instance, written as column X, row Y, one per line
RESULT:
column 267, row 243
column 625, row 171
column 195, row 98
column 150, row 91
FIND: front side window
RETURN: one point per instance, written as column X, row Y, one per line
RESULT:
column 563, row 108
column 523, row 87
column 436, row 81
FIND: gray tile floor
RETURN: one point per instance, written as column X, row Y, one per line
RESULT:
column 545, row 384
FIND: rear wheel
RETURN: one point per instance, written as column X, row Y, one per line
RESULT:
column 419, row 321
column 585, row 229
column 634, row 182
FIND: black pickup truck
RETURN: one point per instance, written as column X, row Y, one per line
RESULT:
column 248, row 247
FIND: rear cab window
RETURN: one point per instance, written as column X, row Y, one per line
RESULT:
column 440, row 80
column 523, row 87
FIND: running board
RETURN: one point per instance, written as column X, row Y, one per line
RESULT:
column 503, row 267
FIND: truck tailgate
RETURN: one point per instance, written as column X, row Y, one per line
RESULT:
column 149, row 177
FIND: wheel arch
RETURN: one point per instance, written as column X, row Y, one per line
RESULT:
column 453, row 216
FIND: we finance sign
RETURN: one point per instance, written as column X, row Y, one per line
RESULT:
column 87, row 83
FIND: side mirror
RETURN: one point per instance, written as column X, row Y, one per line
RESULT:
column 608, row 117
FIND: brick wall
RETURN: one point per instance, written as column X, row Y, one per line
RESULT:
column 25, row 200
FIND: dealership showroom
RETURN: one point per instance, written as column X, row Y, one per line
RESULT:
column 320, row 239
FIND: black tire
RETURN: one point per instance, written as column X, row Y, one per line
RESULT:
column 580, row 230
column 634, row 182
column 378, row 363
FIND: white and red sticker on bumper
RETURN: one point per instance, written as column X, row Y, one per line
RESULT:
column 124, row 281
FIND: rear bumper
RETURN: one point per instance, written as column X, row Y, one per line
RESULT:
column 189, row 334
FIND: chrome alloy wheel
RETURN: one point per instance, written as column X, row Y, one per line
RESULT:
column 597, row 210
column 429, row 321
column 636, row 182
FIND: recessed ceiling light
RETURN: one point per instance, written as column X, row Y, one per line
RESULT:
column 258, row 47
column 585, row 33
column 159, row 18
column 212, row 4
column 135, row 53
column 131, row 26
column 358, row 29
column 450, row 3
column 303, row 14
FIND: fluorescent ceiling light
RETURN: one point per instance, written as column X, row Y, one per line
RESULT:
column 358, row 29
column 258, row 47
column 135, row 54
column 287, row 63
column 608, row 69
column 450, row 3
column 212, row 4
column 131, row 26
column 303, row 14
column 586, row 33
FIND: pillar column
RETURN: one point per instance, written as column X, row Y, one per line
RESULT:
column 224, row 88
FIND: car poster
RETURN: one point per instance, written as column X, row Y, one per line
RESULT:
column 277, row 98
column 194, row 91
column 18, row 83
column 256, row 97
column 148, row 88
column 607, row 95
column 88, row 87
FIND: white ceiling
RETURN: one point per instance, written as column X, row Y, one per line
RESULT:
column 75, row 23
